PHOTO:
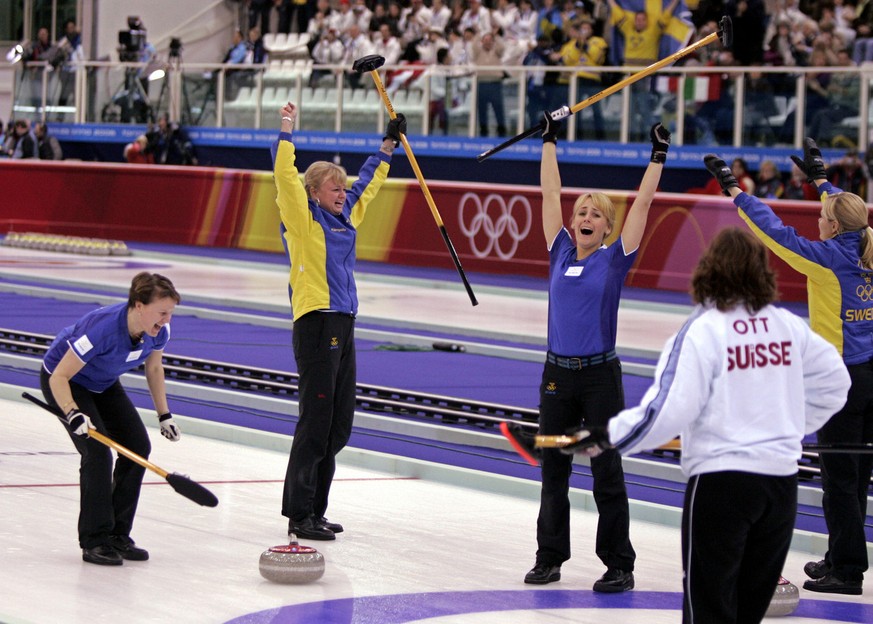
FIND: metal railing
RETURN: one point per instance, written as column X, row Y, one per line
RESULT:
column 738, row 106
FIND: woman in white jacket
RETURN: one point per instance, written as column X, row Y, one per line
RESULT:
column 742, row 382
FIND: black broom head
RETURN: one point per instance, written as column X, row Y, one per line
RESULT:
column 191, row 489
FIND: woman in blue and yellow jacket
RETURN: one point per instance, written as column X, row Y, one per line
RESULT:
column 319, row 221
column 839, row 272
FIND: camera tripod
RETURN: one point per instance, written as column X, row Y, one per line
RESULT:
column 132, row 100
column 187, row 114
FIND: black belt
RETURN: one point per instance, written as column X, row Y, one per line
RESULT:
column 348, row 314
column 576, row 363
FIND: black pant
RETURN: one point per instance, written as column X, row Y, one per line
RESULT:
column 568, row 400
column 299, row 13
column 324, row 348
column 846, row 477
column 108, row 498
column 736, row 531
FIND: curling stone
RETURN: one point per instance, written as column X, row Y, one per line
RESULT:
column 785, row 599
column 291, row 563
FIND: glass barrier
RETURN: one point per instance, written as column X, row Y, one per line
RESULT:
column 777, row 106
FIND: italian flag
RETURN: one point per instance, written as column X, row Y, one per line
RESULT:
column 697, row 88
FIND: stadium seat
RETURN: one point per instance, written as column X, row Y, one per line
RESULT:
column 273, row 73
column 278, row 43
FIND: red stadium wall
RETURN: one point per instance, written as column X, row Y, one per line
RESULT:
column 495, row 229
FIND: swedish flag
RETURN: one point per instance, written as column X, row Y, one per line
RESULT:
column 676, row 35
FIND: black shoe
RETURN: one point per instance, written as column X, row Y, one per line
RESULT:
column 543, row 573
column 308, row 528
column 127, row 549
column 830, row 584
column 330, row 526
column 614, row 581
column 817, row 569
column 104, row 554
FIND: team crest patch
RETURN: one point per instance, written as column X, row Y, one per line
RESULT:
column 83, row 345
column 551, row 387
column 334, row 342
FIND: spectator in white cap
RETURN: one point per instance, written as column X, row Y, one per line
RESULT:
column 328, row 51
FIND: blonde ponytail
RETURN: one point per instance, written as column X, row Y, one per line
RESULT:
column 867, row 248
column 850, row 213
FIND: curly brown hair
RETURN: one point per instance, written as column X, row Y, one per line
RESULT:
column 734, row 270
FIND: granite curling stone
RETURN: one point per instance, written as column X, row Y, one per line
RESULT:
column 785, row 599
column 291, row 563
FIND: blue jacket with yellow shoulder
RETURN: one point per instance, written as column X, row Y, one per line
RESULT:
column 321, row 245
column 839, row 289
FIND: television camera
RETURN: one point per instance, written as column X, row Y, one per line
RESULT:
column 131, row 42
column 175, row 48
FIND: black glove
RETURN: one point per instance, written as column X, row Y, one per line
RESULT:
column 396, row 127
column 588, row 437
column 812, row 164
column 719, row 169
column 553, row 127
column 169, row 428
column 78, row 422
column 660, row 143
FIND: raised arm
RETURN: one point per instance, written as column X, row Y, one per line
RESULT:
column 550, row 181
column 635, row 222
column 812, row 164
column 668, row 10
column 290, row 195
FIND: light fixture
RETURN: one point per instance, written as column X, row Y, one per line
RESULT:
column 15, row 54
column 156, row 69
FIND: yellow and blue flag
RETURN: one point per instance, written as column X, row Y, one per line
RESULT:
column 676, row 35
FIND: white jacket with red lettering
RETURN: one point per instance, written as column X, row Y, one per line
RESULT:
column 742, row 390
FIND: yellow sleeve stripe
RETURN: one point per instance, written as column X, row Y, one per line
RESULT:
column 290, row 194
column 823, row 288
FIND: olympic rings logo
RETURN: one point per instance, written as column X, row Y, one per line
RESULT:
column 865, row 292
column 503, row 233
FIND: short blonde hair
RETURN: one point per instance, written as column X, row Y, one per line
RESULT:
column 320, row 171
column 768, row 164
column 602, row 202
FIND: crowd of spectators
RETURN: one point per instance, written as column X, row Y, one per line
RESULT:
column 447, row 37
column 583, row 33
column 23, row 140
column 826, row 34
